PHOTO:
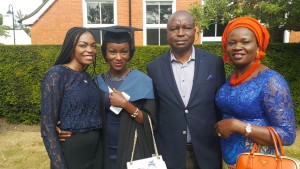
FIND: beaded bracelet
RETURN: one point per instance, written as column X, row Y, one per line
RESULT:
column 136, row 112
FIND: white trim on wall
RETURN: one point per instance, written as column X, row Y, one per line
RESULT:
column 286, row 36
column 31, row 20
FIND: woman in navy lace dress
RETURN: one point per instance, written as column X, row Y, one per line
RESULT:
column 254, row 96
column 70, row 96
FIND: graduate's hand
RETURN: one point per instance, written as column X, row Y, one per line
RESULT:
column 62, row 135
column 117, row 99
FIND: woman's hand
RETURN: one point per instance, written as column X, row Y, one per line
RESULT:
column 226, row 127
column 259, row 134
column 62, row 135
column 117, row 99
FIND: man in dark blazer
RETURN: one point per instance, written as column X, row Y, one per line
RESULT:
column 186, row 80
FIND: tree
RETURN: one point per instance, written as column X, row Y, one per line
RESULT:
column 3, row 28
column 1, row 19
column 276, row 15
column 18, row 25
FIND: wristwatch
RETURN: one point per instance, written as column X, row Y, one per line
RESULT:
column 248, row 129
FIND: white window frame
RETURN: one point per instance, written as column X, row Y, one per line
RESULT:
column 210, row 38
column 84, row 15
column 156, row 26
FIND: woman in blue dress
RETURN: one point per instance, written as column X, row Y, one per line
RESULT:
column 70, row 96
column 254, row 96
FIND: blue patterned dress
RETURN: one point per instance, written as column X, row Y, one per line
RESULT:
column 72, row 98
column 264, row 101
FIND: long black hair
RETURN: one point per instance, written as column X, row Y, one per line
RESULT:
column 69, row 45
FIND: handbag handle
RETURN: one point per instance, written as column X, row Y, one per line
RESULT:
column 135, row 140
column 276, row 141
column 154, row 142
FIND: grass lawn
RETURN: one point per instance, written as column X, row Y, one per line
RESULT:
column 24, row 150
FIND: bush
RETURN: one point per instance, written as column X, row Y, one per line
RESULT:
column 22, row 68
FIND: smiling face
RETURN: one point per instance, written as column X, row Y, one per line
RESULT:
column 117, row 56
column 181, row 31
column 242, row 47
column 85, row 51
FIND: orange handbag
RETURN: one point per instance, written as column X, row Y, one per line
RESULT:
column 256, row 160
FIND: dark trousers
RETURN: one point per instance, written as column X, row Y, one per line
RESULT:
column 83, row 150
column 191, row 160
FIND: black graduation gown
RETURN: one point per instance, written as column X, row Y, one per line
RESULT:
column 144, row 147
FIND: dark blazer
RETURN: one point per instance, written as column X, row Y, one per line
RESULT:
column 200, row 115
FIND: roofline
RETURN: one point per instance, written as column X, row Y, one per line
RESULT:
column 35, row 15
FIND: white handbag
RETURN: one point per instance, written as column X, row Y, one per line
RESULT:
column 146, row 163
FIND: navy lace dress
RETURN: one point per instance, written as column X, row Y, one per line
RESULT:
column 72, row 98
column 264, row 101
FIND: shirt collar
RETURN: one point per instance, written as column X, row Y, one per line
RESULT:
column 192, row 56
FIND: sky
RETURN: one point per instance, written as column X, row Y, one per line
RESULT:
column 26, row 7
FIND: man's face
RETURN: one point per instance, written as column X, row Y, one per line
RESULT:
column 181, row 32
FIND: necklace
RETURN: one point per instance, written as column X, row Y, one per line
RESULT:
column 234, row 81
column 79, row 72
column 84, row 77
column 84, row 80
column 116, row 78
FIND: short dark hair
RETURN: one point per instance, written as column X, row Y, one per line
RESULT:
column 117, row 37
column 69, row 44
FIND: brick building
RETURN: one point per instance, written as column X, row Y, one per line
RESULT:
column 294, row 37
column 53, row 18
column 50, row 21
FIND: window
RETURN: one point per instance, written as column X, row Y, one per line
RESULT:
column 98, row 34
column 214, row 30
column 157, row 14
column 213, row 33
column 157, row 36
column 99, row 13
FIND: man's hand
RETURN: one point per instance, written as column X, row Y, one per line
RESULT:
column 62, row 135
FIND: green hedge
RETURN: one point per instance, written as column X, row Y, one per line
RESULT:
column 23, row 67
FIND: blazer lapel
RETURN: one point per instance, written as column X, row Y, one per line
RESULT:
column 169, row 75
column 200, row 71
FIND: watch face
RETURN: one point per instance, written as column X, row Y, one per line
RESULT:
column 248, row 129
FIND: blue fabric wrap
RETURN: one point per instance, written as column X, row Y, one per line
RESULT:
column 137, row 85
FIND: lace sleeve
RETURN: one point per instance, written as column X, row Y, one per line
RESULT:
column 278, row 107
column 51, row 91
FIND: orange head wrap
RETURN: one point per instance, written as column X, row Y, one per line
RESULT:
column 261, row 33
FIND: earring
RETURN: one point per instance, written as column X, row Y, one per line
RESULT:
column 257, row 54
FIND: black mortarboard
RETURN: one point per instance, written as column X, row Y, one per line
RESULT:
column 118, row 34
column 118, row 29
